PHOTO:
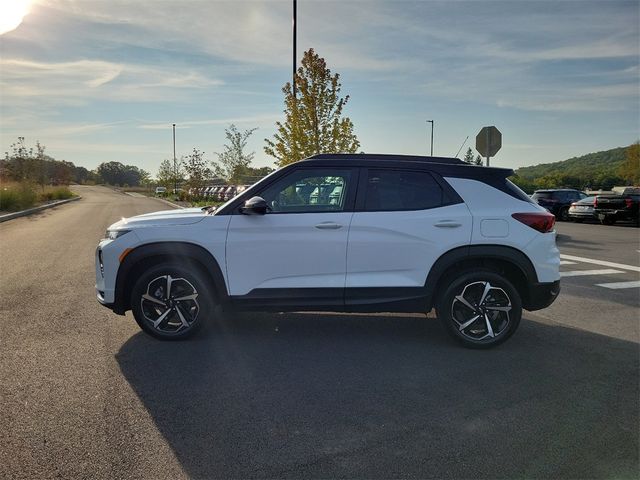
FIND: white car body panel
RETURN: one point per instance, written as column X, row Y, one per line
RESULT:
column 490, row 204
column 286, row 251
column 398, row 248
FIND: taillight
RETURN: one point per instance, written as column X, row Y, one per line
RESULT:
column 629, row 202
column 595, row 202
column 540, row 221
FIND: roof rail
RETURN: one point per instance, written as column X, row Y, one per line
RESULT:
column 381, row 156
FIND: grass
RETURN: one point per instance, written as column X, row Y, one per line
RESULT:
column 15, row 196
column 205, row 203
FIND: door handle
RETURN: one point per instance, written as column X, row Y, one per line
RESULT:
column 447, row 224
column 328, row 226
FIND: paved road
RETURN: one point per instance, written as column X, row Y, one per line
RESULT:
column 85, row 394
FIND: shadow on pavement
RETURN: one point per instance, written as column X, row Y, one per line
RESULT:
column 563, row 238
column 305, row 395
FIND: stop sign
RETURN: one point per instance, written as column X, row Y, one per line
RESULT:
column 488, row 141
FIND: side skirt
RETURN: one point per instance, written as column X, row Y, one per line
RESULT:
column 375, row 299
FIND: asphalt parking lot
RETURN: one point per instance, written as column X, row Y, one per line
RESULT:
column 85, row 394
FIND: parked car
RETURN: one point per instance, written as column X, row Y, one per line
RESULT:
column 558, row 201
column 611, row 208
column 214, row 192
column 582, row 210
column 401, row 234
column 161, row 191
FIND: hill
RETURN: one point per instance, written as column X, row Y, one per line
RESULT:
column 607, row 162
column 597, row 170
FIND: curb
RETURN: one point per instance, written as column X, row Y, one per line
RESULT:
column 24, row 213
column 167, row 202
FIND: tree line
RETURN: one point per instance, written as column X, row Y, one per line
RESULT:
column 30, row 164
column 594, row 171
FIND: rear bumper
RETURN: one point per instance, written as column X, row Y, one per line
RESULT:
column 541, row 295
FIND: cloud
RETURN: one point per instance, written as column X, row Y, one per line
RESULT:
column 253, row 120
column 81, row 81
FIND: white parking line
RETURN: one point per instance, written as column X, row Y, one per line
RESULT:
column 617, row 285
column 600, row 262
column 567, row 262
column 580, row 273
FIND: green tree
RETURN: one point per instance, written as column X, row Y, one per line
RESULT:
column 313, row 120
column 468, row 156
column 478, row 160
column 166, row 174
column 630, row 169
column 196, row 170
column 233, row 162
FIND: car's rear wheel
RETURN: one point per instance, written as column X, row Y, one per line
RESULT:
column 171, row 302
column 564, row 214
column 480, row 309
column 607, row 220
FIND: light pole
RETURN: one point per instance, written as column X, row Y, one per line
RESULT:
column 295, row 14
column 431, row 122
column 175, row 163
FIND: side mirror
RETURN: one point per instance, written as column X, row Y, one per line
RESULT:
column 255, row 206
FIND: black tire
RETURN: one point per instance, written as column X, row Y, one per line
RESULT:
column 563, row 215
column 607, row 220
column 454, row 313
column 185, row 310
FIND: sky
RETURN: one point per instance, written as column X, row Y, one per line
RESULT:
column 97, row 81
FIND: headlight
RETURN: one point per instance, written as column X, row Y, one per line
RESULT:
column 113, row 234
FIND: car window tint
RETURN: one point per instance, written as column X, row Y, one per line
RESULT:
column 401, row 190
column 308, row 191
column 543, row 195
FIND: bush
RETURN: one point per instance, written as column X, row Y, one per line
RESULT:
column 17, row 197
column 20, row 196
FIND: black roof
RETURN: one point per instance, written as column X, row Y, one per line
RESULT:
column 384, row 157
column 443, row 165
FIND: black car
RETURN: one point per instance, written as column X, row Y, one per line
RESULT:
column 558, row 201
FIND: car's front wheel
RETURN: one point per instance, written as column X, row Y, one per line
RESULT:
column 480, row 309
column 171, row 302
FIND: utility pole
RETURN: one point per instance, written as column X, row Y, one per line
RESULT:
column 431, row 122
column 295, row 14
column 175, row 163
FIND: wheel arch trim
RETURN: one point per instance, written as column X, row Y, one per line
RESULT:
column 179, row 250
column 474, row 253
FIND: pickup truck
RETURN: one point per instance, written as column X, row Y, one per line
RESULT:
column 611, row 208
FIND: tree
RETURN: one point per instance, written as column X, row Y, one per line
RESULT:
column 468, row 156
column 313, row 120
column 630, row 169
column 233, row 161
column 195, row 167
column 166, row 174
column 115, row 173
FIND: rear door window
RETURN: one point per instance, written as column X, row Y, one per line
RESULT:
column 388, row 190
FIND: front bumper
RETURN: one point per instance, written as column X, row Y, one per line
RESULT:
column 541, row 295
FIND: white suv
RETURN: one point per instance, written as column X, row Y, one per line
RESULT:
column 348, row 233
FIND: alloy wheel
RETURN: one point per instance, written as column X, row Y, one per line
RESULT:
column 170, row 304
column 481, row 311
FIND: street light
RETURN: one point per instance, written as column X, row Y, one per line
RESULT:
column 431, row 122
column 295, row 14
column 175, row 163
